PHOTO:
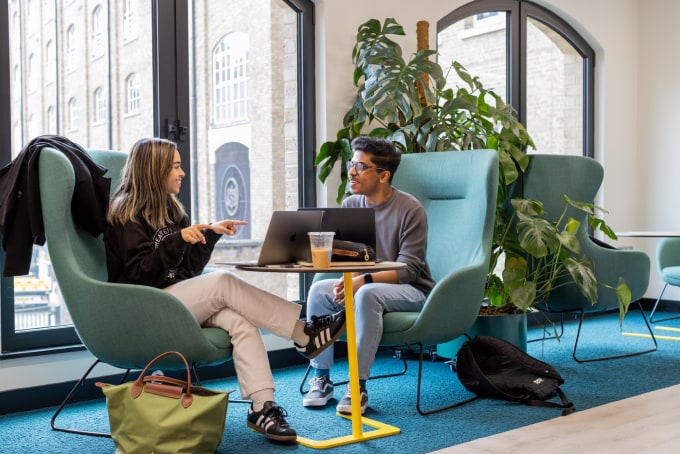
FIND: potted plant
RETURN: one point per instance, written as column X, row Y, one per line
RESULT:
column 543, row 255
column 408, row 103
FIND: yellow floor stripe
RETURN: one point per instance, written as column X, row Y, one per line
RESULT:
column 672, row 338
column 668, row 328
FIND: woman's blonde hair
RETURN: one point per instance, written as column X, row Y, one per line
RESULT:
column 143, row 186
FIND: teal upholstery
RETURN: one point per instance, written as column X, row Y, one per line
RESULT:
column 122, row 325
column 668, row 264
column 458, row 191
column 547, row 179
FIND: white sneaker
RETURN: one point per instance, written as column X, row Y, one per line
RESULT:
column 320, row 392
column 345, row 404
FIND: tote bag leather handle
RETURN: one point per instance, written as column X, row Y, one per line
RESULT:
column 138, row 386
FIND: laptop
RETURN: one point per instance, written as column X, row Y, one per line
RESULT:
column 349, row 224
column 286, row 241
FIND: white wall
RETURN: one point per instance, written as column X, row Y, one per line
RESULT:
column 637, row 90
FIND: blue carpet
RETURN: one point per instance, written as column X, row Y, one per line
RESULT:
column 392, row 400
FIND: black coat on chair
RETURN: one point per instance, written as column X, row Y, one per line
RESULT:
column 21, row 222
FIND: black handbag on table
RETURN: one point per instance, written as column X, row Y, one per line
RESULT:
column 352, row 251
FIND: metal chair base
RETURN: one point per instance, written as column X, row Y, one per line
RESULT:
column 556, row 335
column 651, row 315
column 402, row 357
column 418, row 391
column 622, row 355
column 68, row 398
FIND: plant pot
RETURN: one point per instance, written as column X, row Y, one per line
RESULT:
column 510, row 327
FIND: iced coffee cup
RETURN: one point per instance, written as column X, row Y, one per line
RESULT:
column 321, row 244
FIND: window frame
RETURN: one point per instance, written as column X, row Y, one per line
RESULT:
column 518, row 12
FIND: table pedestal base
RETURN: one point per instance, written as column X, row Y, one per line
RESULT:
column 382, row 430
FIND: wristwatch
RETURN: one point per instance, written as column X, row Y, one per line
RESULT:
column 368, row 279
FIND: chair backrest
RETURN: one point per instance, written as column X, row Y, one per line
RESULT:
column 122, row 325
column 668, row 254
column 547, row 179
column 458, row 191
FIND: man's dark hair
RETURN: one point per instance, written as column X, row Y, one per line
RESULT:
column 383, row 152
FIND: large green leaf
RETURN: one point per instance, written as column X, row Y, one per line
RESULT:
column 583, row 274
column 391, row 88
column 623, row 295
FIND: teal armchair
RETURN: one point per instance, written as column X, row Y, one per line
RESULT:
column 668, row 265
column 121, row 325
column 458, row 190
column 547, row 179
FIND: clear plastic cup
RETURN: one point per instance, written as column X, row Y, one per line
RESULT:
column 321, row 244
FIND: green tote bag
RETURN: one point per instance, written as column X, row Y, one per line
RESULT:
column 158, row 414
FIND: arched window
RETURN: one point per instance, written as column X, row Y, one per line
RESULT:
column 71, row 48
column 100, row 107
column 129, row 20
column 72, row 114
column 32, row 72
column 51, row 120
column 545, row 68
column 50, row 66
column 132, row 84
column 16, row 83
column 98, row 27
column 230, row 79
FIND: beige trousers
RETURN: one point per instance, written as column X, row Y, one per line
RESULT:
column 222, row 299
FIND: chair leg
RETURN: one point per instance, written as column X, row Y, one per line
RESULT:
column 623, row 355
column 651, row 315
column 67, row 400
column 552, row 336
column 393, row 374
column 418, row 391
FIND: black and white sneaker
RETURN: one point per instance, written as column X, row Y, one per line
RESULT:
column 320, row 392
column 345, row 404
column 322, row 332
column 271, row 422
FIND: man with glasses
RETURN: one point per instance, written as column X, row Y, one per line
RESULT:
column 401, row 236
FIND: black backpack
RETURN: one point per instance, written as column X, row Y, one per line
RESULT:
column 492, row 367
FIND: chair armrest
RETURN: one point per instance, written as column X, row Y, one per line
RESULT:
column 450, row 310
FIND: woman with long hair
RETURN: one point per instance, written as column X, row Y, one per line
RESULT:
column 150, row 241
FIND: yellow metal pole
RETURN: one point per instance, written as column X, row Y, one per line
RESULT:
column 352, row 357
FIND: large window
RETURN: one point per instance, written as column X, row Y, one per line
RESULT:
column 544, row 67
column 246, row 151
column 158, row 75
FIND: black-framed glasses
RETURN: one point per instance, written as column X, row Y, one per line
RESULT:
column 360, row 166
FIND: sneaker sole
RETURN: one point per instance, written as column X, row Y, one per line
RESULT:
column 349, row 412
column 327, row 344
column 347, row 409
column 316, row 402
column 256, row 428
